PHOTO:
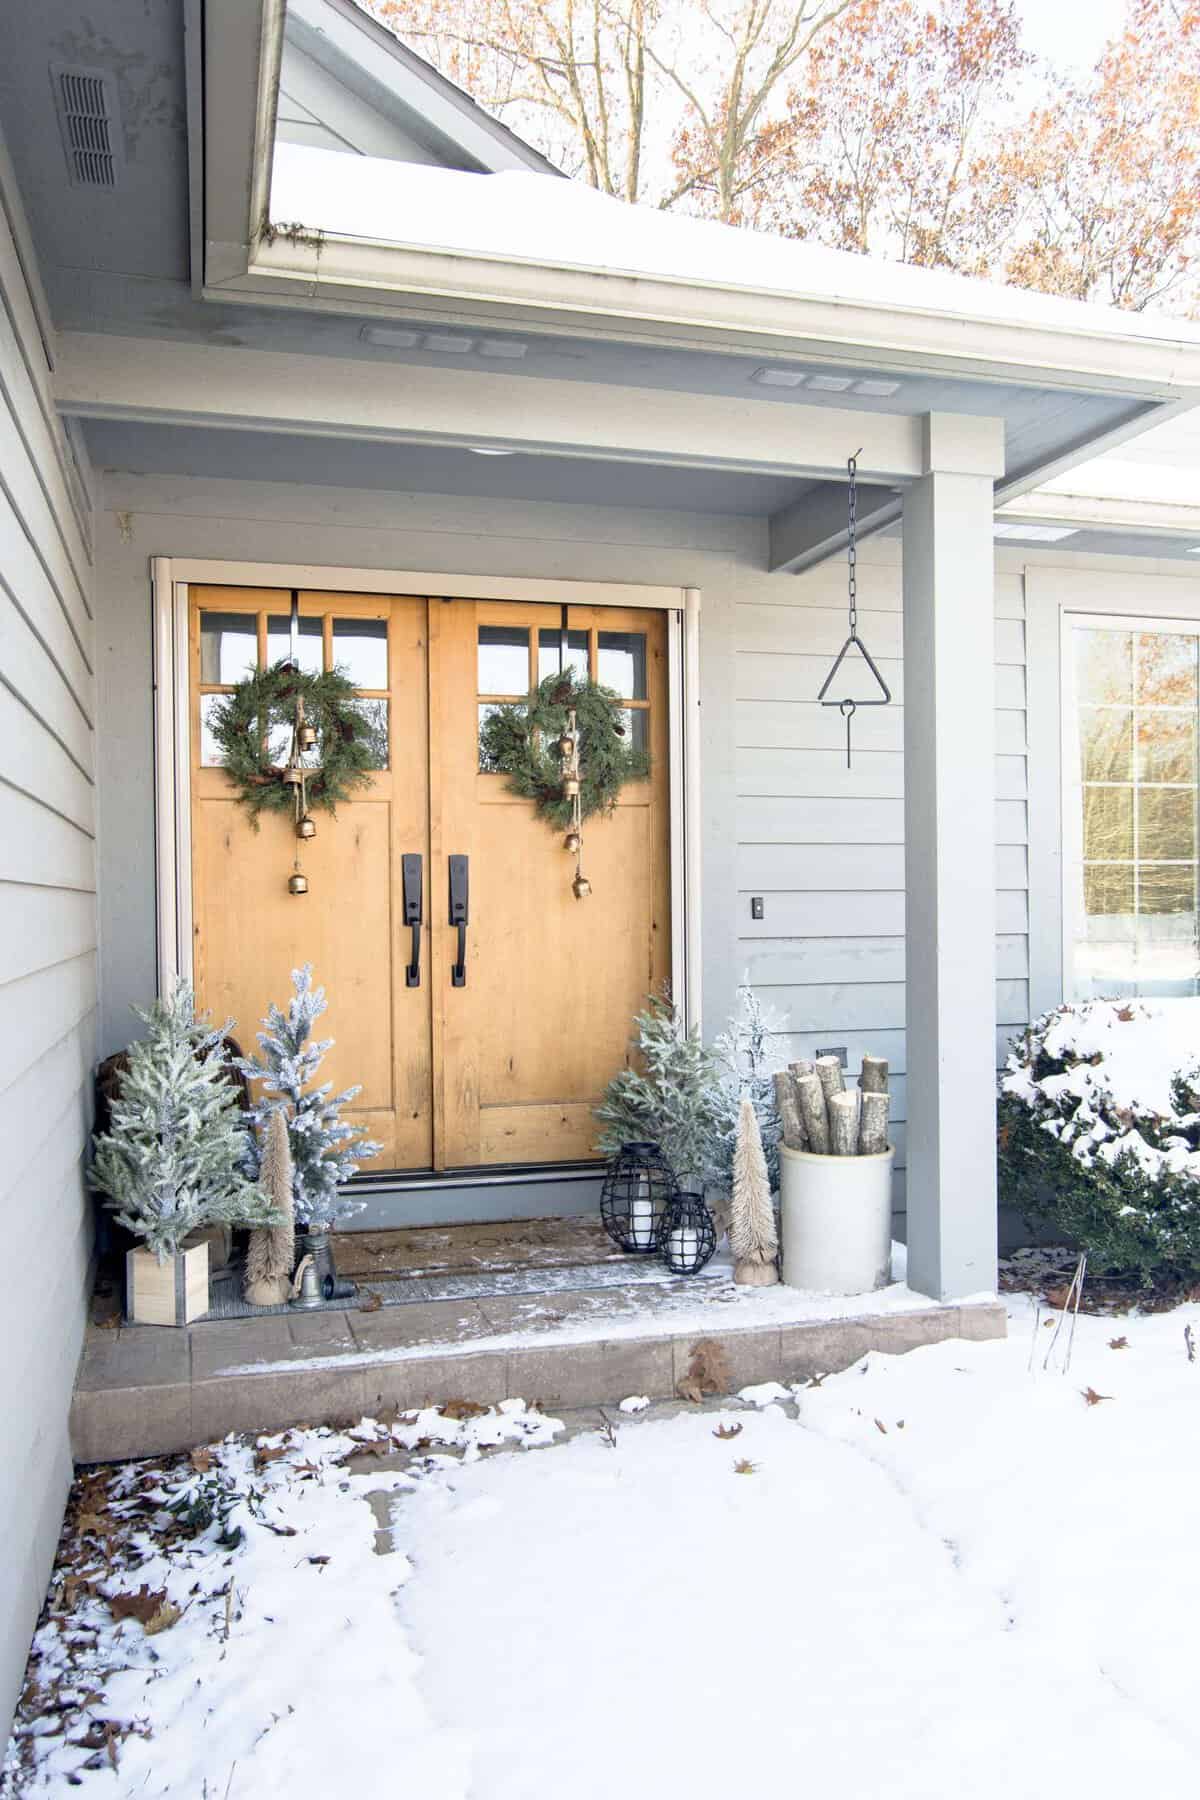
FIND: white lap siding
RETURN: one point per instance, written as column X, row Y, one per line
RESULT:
column 823, row 845
column 47, row 941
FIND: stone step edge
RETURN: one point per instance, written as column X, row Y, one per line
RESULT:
column 120, row 1423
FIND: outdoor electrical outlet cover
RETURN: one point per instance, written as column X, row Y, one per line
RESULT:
column 838, row 1050
column 756, row 906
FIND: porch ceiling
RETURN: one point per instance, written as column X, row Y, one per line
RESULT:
column 141, row 448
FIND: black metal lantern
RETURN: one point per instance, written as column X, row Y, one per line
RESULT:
column 637, row 1187
column 689, row 1236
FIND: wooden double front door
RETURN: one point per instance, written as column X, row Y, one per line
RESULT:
column 506, row 1067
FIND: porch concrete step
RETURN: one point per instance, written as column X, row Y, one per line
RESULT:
column 144, row 1390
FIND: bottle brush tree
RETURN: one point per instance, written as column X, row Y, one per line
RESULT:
column 173, row 1159
column 326, row 1149
column 752, row 1235
column 271, row 1251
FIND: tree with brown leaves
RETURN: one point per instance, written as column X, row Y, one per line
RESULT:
column 643, row 99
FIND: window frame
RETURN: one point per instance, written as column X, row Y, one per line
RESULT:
column 1072, row 784
column 1137, row 592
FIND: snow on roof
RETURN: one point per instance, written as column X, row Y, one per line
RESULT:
column 556, row 223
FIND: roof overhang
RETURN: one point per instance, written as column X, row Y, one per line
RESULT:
column 905, row 322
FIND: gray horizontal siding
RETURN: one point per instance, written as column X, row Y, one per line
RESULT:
column 823, row 844
column 48, row 999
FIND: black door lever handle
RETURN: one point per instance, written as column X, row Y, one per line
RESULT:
column 459, row 916
column 414, row 912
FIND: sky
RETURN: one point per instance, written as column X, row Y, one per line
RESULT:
column 1070, row 32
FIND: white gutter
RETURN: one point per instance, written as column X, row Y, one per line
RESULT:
column 359, row 275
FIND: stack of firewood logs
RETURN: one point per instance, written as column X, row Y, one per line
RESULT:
column 818, row 1114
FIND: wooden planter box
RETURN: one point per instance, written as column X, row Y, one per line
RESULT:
column 169, row 1293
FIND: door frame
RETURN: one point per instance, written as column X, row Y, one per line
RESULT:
column 171, row 579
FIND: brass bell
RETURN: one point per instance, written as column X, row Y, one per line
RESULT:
column 581, row 887
column 293, row 776
column 566, row 744
column 306, row 827
column 570, row 787
column 572, row 841
column 306, row 736
column 297, row 883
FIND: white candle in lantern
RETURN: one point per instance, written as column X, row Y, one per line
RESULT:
column 641, row 1216
column 683, row 1246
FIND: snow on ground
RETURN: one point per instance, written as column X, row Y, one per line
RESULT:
column 956, row 1570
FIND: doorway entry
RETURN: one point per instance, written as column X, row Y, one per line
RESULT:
column 504, row 1066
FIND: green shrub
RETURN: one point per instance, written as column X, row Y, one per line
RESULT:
column 1100, row 1134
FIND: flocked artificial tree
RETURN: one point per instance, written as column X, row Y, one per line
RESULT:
column 752, row 1235
column 747, row 1048
column 271, row 1251
column 326, row 1149
column 173, row 1158
column 678, row 1098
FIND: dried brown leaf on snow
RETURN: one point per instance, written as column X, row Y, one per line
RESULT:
column 727, row 1431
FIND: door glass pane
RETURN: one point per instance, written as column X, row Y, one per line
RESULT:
column 210, row 756
column 360, row 650
column 1107, row 822
column 487, row 764
column 1166, row 746
column 503, row 659
column 311, row 651
column 1166, row 669
column 576, row 658
column 1106, row 743
column 1104, row 666
column 621, row 663
column 636, row 721
column 228, row 647
column 376, row 714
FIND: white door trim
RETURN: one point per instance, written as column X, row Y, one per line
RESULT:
column 171, row 578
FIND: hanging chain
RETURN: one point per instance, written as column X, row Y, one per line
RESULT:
column 852, row 543
column 849, row 707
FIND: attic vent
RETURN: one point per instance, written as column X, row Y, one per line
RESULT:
column 86, row 103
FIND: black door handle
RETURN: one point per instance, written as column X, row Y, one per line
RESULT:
column 459, row 915
column 414, row 912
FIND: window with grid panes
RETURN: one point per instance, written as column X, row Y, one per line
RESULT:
column 1130, row 812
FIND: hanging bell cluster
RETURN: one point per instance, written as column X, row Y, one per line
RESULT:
column 304, row 737
column 568, row 751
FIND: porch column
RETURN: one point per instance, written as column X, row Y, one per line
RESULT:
column 949, row 855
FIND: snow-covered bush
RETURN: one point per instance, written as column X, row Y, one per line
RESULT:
column 1100, row 1131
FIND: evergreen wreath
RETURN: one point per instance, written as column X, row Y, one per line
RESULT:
column 241, row 728
column 521, row 741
